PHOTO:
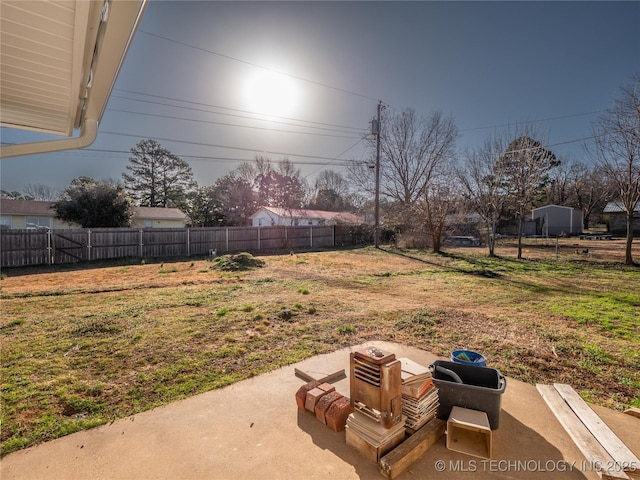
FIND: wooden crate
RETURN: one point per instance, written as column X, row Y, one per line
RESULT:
column 468, row 431
column 369, row 451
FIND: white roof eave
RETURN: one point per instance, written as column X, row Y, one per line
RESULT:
column 59, row 64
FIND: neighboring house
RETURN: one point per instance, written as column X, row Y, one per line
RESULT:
column 558, row 220
column 154, row 217
column 618, row 218
column 271, row 216
column 32, row 214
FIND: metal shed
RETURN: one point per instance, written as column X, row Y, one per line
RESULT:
column 558, row 220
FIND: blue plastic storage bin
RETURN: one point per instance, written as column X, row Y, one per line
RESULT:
column 476, row 359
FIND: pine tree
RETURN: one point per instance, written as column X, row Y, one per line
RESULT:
column 158, row 178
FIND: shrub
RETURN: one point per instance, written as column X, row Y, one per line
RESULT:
column 235, row 262
column 346, row 329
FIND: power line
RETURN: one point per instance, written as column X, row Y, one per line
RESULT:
column 227, row 114
column 322, row 164
column 234, row 110
column 229, row 57
column 590, row 137
column 532, row 121
column 244, row 149
column 355, row 129
column 346, row 164
column 209, row 158
column 230, row 124
column 526, row 149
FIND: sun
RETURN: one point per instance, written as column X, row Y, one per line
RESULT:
column 271, row 93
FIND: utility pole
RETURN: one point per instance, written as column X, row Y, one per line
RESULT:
column 376, row 127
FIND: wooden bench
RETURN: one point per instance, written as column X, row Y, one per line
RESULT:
column 600, row 446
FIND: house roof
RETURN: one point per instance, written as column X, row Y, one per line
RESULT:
column 555, row 206
column 341, row 217
column 618, row 207
column 59, row 61
column 34, row 207
column 26, row 207
column 157, row 213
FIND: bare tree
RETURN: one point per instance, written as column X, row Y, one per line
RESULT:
column 589, row 191
column 332, row 180
column 229, row 201
column 525, row 166
column 411, row 150
column 281, row 185
column 439, row 202
column 14, row 195
column 246, row 171
column 331, row 192
column 361, row 178
column 616, row 148
column 558, row 190
column 483, row 185
column 42, row 192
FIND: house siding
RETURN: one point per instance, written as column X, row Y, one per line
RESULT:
column 264, row 218
column 151, row 223
column 618, row 218
column 618, row 224
column 33, row 221
column 268, row 217
column 29, row 214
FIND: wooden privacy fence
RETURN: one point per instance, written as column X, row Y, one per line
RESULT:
column 20, row 248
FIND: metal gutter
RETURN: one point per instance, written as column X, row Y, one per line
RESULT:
column 88, row 134
column 118, row 22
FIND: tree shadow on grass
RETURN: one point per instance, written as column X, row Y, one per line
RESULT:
column 477, row 268
column 475, row 272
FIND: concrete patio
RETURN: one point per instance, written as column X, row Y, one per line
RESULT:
column 253, row 429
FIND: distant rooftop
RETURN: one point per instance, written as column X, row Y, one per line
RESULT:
column 618, row 207
column 35, row 207
column 340, row 217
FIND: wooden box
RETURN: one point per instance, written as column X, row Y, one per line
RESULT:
column 375, row 385
column 371, row 452
column 468, row 431
column 370, row 438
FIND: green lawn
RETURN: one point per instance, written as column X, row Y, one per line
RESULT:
column 105, row 343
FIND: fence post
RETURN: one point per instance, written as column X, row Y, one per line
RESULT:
column 227, row 238
column 188, row 242
column 310, row 236
column 334, row 236
column 141, row 250
column 259, row 245
column 89, row 244
column 49, row 250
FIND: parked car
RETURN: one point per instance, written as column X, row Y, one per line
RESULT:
column 458, row 241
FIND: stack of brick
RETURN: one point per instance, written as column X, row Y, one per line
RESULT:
column 329, row 406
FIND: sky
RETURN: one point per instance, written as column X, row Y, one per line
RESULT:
column 218, row 83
